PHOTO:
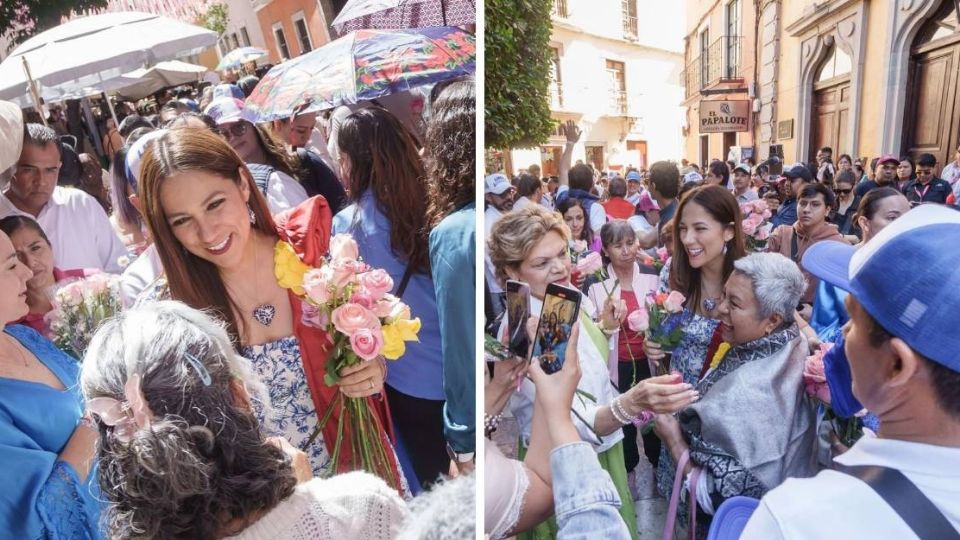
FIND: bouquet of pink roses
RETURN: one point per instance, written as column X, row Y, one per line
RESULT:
column 756, row 224
column 657, row 260
column 848, row 430
column 352, row 303
column 79, row 307
column 663, row 320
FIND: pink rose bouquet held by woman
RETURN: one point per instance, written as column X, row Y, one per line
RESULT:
column 847, row 430
column 665, row 320
column 756, row 224
column 352, row 303
column 78, row 309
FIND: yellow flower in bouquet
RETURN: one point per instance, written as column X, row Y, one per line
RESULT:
column 396, row 334
column 288, row 268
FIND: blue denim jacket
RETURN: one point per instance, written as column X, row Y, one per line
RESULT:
column 584, row 497
column 786, row 213
column 452, row 259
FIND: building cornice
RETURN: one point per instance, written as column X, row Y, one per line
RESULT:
column 817, row 13
column 563, row 24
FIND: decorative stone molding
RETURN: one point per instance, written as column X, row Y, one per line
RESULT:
column 841, row 23
column 769, row 67
column 906, row 18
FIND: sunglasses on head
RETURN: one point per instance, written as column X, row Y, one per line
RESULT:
column 233, row 130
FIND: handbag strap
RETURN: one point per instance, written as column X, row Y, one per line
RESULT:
column 407, row 272
column 906, row 499
column 694, row 481
column 794, row 249
column 675, row 496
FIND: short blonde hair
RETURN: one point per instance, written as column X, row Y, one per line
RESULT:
column 515, row 234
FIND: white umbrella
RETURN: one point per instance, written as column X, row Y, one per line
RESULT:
column 162, row 75
column 90, row 51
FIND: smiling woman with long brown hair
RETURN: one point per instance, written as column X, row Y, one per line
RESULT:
column 217, row 242
column 388, row 219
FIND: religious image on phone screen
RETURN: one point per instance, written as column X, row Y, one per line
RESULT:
column 556, row 323
column 518, row 310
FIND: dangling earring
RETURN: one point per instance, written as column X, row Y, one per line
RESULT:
column 253, row 217
column 724, row 251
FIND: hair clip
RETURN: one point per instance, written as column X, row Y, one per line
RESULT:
column 198, row 366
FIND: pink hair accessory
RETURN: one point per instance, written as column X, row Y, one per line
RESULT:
column 125, row 417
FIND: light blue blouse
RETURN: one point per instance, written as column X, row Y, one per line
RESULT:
column 41, row 496
column 419, row 372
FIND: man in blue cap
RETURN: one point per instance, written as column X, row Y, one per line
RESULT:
column 633, row 187
column 904, row 355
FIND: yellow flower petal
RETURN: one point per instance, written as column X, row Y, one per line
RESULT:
column 288, row 268
column 408, row 328
column 393, row 345
column 722, row 350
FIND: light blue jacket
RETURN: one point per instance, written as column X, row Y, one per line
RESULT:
column 453, row 260
column 584, row 497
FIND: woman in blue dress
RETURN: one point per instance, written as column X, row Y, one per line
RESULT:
column 46, row 445
column 388, row 219
column 708, row 238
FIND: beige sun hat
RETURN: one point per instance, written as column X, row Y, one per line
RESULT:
column 11, row 132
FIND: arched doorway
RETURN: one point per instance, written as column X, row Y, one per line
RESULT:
column 831, row 104
column 932, row 115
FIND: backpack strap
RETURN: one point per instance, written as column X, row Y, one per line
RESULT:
column 906, row 499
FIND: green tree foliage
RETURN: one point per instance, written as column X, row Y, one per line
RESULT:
column 20, row 19
column 517, row 73
column 216, row 18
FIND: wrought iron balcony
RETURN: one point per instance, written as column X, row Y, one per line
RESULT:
column 617, row 104
column 719, row 63
column 559, row 8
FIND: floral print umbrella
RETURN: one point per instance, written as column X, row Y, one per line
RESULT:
column 359, row 14
column 362, row 66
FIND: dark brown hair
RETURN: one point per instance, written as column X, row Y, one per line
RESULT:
column 384, row 159
column 723, row 207
column 450, row 157
column 193, row 280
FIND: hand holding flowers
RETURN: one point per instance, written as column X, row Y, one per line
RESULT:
column 78, row 309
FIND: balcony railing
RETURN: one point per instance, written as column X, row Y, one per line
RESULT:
column 617, row 104
column 720, row 62
column 630, row 27
column 556, row 95
column 559, row 8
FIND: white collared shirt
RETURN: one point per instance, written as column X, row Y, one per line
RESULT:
column 836, row 505
column 79, row 230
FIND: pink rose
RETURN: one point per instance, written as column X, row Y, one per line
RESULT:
column 663, row 254
column 639, row 320
column 590, row 264
column 316, row 283
column 751, row 223
column 363, row 297
column 814, row 377
column 382, row 308
column 367, row 342
column 766, row 213
column 351, row 317
column 313, row 316
column 377, row 283
column 674, row 302
column 342, row 272
column 762, row 233
column 343, row 247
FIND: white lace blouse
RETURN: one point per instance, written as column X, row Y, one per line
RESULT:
column 355, row 505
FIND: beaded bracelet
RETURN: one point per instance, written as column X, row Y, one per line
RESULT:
column 616, row 409
column 490, row 423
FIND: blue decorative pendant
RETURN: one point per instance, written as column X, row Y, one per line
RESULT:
column 264, row 314
column 709, row 304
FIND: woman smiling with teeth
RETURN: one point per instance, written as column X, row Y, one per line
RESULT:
column 708, row 238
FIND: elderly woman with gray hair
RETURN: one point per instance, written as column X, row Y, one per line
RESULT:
column 181, row 452
column 753, row 426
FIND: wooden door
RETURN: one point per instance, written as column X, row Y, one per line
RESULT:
column 830, row 120
column 550, row 165
column 641, row 148
column 933, row 103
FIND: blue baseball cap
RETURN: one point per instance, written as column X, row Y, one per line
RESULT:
column 906, row 277
column 633, row 176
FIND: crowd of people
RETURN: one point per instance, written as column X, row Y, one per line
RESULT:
column 201, row 409
column 847, row 267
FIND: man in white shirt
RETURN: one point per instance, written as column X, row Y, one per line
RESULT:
column 904, row 356
column 951, row 173
column 79, row 230
column 498, row 195
column 741, row 184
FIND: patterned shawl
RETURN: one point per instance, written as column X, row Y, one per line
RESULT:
column 754, row 426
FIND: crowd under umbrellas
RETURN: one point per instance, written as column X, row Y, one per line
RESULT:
column 334, row 438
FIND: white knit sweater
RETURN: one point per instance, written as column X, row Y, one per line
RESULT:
column 356, row 505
